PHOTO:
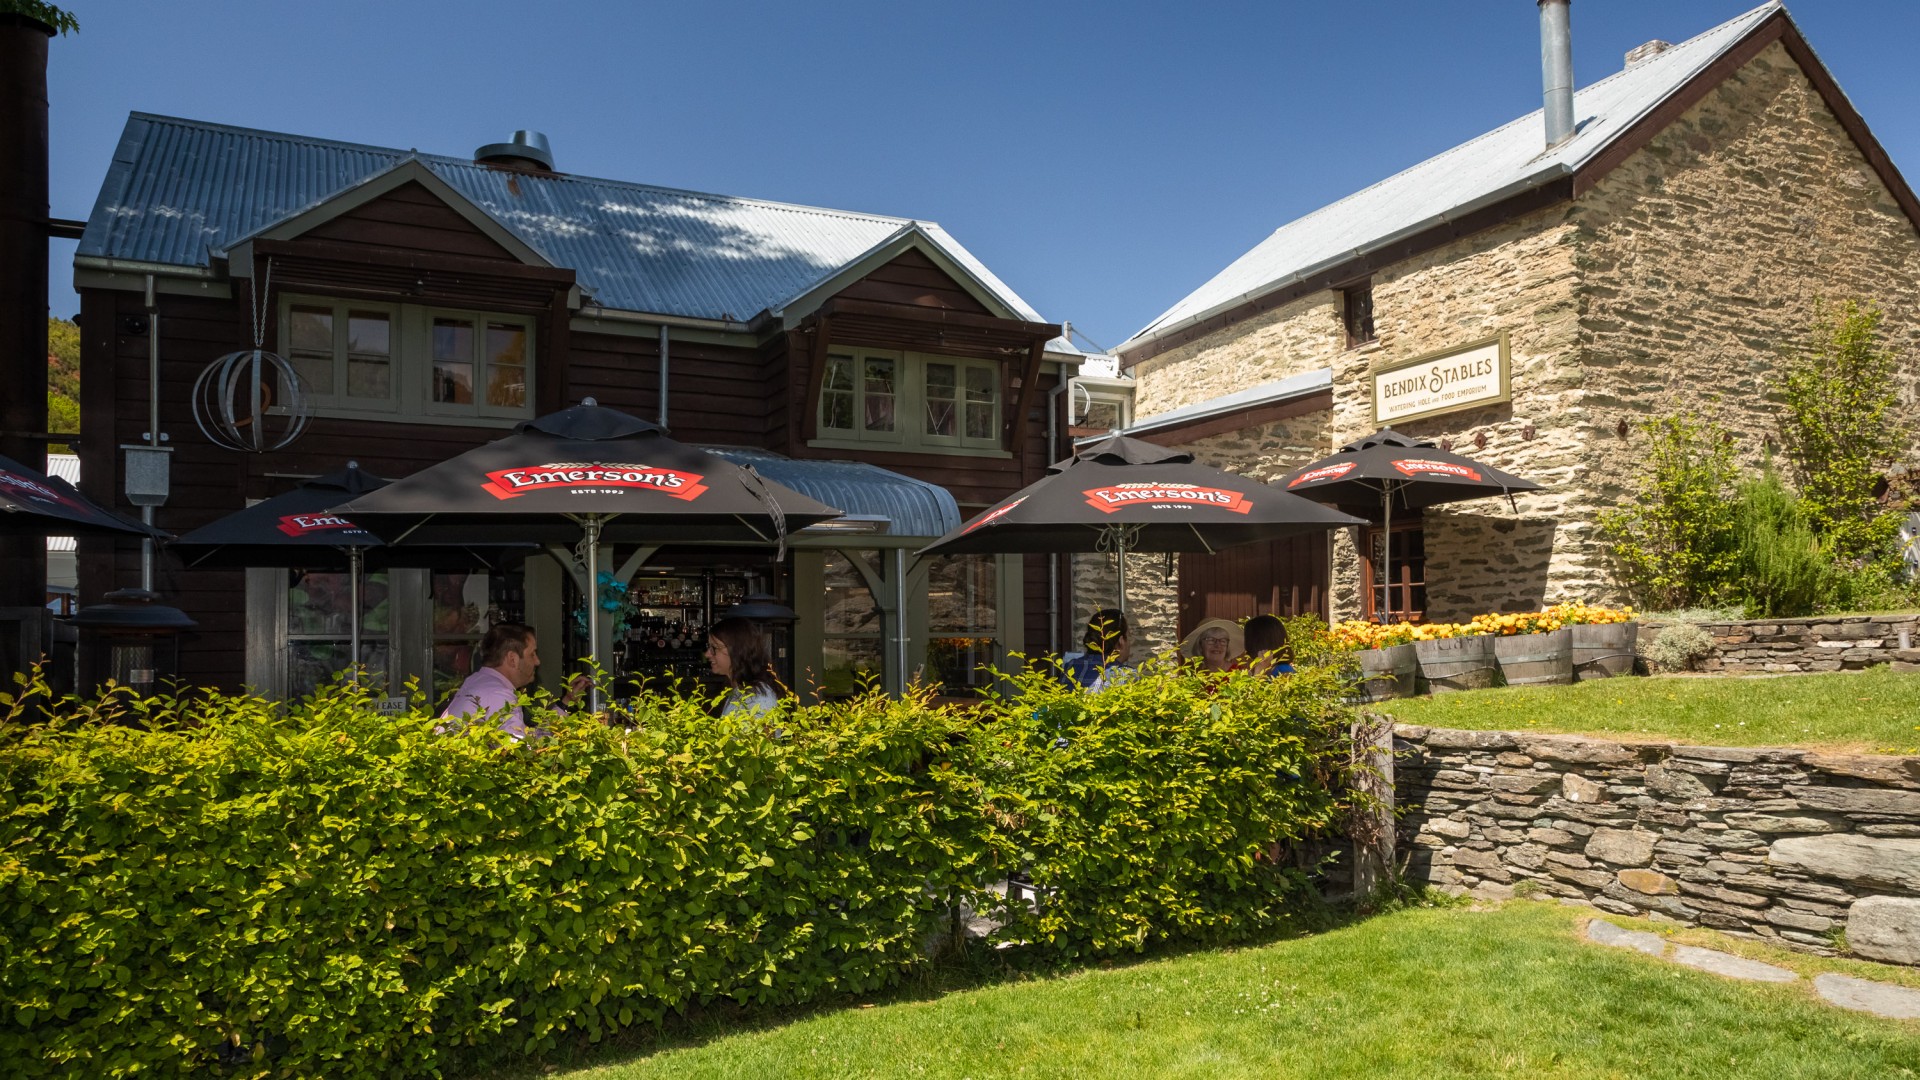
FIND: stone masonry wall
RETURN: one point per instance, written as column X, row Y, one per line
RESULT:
column 1791, row 846
column 1833, row 643
column 1703, row 254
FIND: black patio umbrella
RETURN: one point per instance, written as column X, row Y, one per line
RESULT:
column 586, row 474
column 1122, row 495
column 298, row 529
column 1398, row 470
column 35, row 504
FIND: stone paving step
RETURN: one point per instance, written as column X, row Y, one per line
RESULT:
column 1861, row 995
column 1733, row 967
column 1867, row 996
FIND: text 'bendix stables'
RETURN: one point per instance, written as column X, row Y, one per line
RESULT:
column 599, row 475
column 1467, row 376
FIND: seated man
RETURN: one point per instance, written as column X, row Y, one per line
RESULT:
column 1106, row 660
column 508, row 658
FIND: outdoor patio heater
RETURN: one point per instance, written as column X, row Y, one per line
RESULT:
column 133, row 638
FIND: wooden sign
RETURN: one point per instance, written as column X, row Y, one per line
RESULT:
column 1461, row 377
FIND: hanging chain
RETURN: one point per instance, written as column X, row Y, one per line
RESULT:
column 262, row 291
column 1116, row 538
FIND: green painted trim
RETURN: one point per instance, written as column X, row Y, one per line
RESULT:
column 810, row 605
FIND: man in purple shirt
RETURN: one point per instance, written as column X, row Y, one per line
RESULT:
column 508, row 658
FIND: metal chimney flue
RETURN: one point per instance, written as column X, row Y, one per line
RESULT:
column 1556, row 69
column 526, row 150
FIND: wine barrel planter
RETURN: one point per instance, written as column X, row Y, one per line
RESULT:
column 1603, row 650
column 1536, row 659
column 1464, row 663
column 1392, row 672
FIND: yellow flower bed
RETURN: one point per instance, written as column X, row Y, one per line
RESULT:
column 1355, row 634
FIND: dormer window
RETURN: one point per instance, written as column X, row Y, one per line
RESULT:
column 409, row 362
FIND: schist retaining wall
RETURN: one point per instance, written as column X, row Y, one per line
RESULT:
column 1803, row 848
column 1848, row 643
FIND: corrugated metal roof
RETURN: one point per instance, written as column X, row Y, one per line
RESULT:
column 911, row 507
column 180, row 191
column 66, row 467
column 1500, row 163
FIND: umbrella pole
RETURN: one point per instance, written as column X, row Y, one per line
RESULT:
column 355, row 559
column 1386, row 542
column 1120, row 574
column 593, row 607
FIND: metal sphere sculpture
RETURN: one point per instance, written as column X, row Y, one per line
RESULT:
column 252, row 401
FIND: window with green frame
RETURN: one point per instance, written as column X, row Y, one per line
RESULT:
column 910, row 401
column 408, row 362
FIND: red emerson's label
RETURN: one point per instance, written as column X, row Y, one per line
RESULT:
column 1415, row 466
column 1109, row 500
column 1325, row 472
column 598, row 475
column 302, row 524
column 35, row 490
column 993, row 515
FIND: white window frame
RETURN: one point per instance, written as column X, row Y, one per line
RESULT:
column 410, row 339
column 910, row 407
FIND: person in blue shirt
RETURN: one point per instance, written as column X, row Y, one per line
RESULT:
column 1107, row 652
column 1265, row 637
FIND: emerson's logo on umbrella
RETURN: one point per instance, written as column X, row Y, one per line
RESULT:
column 1416, row 466
column 1112, row 498
column 1326, row 472
column 302, row 524
column 597, row 476
column 994, row 515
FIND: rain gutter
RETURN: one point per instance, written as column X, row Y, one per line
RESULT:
column 595, row 311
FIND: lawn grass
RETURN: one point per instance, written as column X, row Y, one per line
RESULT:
column 1420, row 993
column 1871, row 711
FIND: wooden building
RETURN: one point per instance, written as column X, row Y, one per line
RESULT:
column 430, row 303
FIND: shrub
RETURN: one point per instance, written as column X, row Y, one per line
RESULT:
column 1842, row 427
column 1674, row 538
column 1783, row 569
column 227, row 886
column 1679, row 647
column 1151, row 812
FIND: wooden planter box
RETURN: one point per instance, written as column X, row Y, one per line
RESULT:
column 1603, row 650
column 1464, row 663
column 1536, row 659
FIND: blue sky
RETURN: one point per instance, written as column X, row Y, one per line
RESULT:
column 1103, row 158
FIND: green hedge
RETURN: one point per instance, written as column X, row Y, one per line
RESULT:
column 219, row 886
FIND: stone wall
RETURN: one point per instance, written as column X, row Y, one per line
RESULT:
column 1703, row 254
column 1834, row 643
column 1796, row 847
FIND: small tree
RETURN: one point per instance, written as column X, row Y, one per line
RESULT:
column 1676, row 539
column 1782, row 569
column 1842, row 431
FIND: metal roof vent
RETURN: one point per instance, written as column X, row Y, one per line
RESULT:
column 528, row 150
column 1648, row 51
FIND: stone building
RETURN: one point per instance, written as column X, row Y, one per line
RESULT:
column 1652, row 261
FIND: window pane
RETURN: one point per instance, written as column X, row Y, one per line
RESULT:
column 879, row 395
column 506, row 365
column 315, row 371
column 982, row 384
column 318, row 602
column 850, row 608
column 452, row 663
column 369, row 378
column 368, row 333
column 836, row 394
column 311, row 664
column 311, row 329
column 960, row 594
column 839, row 373
column 459, row 603
column 961, row 665
column 453, row 347
column 979, row 421
column 941, row 390
column 850, row 665
column 1102, row 414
